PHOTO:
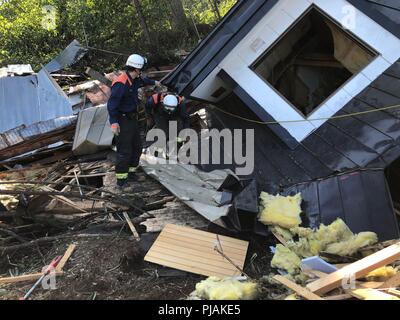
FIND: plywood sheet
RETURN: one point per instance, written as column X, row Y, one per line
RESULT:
column 194, row 251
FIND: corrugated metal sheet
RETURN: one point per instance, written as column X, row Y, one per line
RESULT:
column 71, row 54
column 16, row 69
column 13, row 136
column 23, row 133
column 31, row 99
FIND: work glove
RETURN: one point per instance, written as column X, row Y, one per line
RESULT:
column 115, row 129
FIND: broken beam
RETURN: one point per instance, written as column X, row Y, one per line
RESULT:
column 98, row 76
column 66, row 257
column 303, row 292
column 356, row 270
column 131, row 226
column 26, row 277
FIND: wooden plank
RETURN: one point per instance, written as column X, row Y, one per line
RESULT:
column 206, row 243
column 200, row 253
column 66, row 257
column 53, row 202
column 341, row 265
column 196, row 238
column 357, row 269
column 194, row 251
column 393, row 282
column 279, row 238
column 131, row 226
column 101, row 174
column 55, row 158
column 25, row 277
column 187, row 268
column 196, row 259
column 63, row 199
column 371, row 294
column 345, row 296
column 68, row 203
column 98, row 76
column 202, row 264
column 315, row 273
column 394, row 292
column 231, row 241
column 368, row 285
column 303, row 292
column 38, row 142
column 203, row 250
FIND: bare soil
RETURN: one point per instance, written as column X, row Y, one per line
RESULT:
column 114, row 269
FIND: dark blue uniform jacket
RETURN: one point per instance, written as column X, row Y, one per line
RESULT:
column 124, row 95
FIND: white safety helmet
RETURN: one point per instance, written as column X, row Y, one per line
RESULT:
column 136, row 61
column 170, row 103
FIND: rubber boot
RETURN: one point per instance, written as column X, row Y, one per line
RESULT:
column 123, row 186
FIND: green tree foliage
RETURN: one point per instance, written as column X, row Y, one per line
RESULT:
column 34, row 31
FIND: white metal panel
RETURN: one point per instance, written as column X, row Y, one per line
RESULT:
column 338, row 101
column 294, row 7
column 321, row 113
column 364, row 28
column 255, row 46
column 280, row 22
column 207, row 88
column 357, row 83
column 376, row 68
column 267, row 98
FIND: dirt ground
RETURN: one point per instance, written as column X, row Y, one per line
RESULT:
column 108, row 264
column 113, row 269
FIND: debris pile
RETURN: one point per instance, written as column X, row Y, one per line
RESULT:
column 181, row 234
column 304, row 255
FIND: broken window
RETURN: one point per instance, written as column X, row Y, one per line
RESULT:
column 312, row 60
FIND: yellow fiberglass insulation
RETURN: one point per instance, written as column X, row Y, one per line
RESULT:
column 352, row 245
column 292, row 297
column 280, row 211
column 225, row 289
column 336, row 238
column 286, row 259
column 381, row 274
column 312, row 243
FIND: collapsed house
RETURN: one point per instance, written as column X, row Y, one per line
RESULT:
column 324, row 76
column 311, row 90
column 34, row 111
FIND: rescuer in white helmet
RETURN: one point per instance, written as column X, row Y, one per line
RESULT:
column 162, row 108
column 123, row 111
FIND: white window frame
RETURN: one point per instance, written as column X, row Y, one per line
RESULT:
column 238, row 63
